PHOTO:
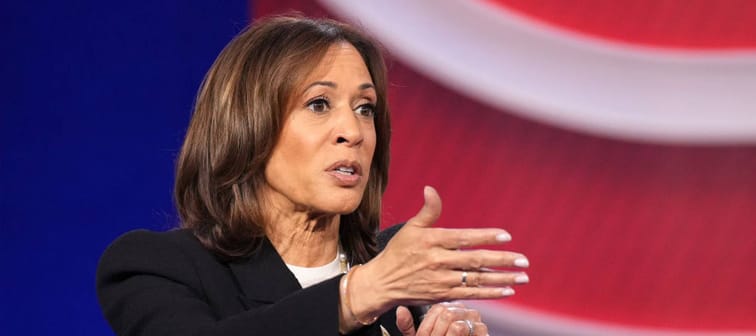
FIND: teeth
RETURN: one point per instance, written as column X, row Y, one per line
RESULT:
column 345, row 170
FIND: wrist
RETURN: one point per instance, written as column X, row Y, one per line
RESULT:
column 366, row 297
column 358, row 300
column 347, row 323
column 360, row 306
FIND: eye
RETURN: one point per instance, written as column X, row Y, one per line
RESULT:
column 318, row 105
column 366, row 110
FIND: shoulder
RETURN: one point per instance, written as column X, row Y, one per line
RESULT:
column 172, row 254
column 145, row 239
column 141, row 243
column 152, row 282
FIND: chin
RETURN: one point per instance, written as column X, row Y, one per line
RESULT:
column 345, row 202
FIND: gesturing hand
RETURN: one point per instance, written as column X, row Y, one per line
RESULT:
column 425, row 265
column 447, row 318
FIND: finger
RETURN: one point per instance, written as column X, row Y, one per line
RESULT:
column 472, row 315
column 430, row 318
column 478, row 293
column 480, row 329
column 479, row 260
column 430, row 211
column 404, row 321
column 446, row 318
column 486, row 279
column 461, row 328
column 460, row 238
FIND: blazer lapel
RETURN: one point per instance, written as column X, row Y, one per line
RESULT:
column 263, row 277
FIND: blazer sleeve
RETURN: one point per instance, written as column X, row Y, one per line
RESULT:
column 146, row 286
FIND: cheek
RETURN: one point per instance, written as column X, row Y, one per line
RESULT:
column 286, row 160
column 372, row 139
column 296, row 144
column 369, row 148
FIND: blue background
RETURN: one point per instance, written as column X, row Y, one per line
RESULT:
column 95, row 99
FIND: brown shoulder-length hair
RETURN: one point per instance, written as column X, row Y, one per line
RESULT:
column 237, row 120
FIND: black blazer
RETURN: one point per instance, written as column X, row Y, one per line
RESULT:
column 167, row 283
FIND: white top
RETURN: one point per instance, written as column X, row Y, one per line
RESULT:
column 308, row 276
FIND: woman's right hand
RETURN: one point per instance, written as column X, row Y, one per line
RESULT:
column 442, row 319
column 425, row 265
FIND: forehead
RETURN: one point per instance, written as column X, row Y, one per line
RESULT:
column 343, row 61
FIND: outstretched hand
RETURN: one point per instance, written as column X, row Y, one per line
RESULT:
column 425, row 265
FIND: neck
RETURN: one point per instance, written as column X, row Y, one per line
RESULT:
column 302, row 239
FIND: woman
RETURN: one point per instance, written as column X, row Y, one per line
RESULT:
column 279, row 185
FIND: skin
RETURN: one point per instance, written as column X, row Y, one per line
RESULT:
column 423, row 265
column 442, row 319
column 330, row 122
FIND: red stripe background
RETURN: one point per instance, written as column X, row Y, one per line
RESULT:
column 695, row 24
column 639, row 234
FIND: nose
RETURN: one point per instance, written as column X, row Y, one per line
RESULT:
column 348, row 129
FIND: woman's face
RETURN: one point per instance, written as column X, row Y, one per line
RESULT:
column 321, row 163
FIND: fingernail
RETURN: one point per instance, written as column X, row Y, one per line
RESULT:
column 427, row 190
column 521, row 262
column 507, row 291
column 503, row 237
column 521, row 279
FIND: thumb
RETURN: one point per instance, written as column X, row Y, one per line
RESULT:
column 430, row 211
column 404, row 321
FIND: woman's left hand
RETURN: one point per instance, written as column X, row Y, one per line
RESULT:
column 446, row 318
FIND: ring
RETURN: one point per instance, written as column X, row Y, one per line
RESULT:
column 470, row 329
column 464, row 279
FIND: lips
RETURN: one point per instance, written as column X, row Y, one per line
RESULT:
column 346, row 173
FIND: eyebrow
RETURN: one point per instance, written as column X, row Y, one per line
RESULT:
column 363, row 86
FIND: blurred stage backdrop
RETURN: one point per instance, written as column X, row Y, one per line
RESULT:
column 616, row 141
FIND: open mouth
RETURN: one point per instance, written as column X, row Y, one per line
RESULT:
column 347, row 173
column 346, row 167
column 345, row 170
